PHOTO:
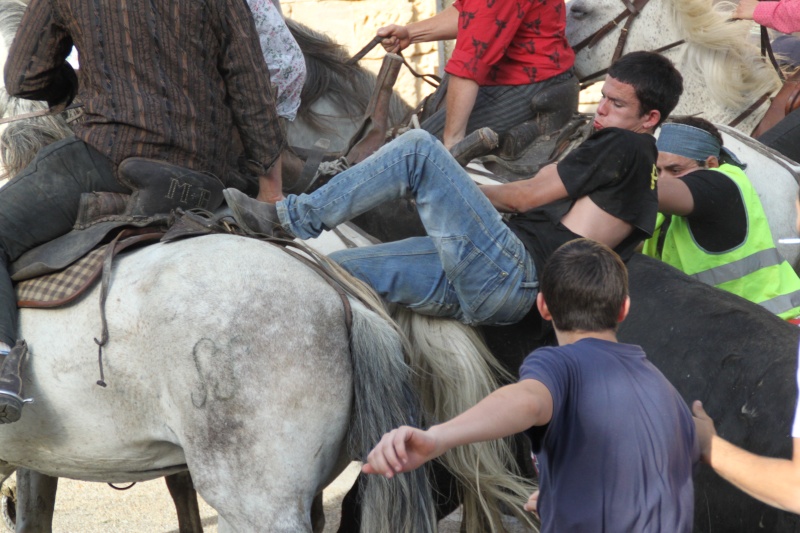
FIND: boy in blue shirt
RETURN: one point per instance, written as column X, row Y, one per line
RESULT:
column 614, row 440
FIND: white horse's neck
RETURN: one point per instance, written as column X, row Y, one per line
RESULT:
column 723, row 73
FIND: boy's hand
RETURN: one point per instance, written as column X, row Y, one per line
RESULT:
column 532, row 503
column 401, row 450
column 705, row 429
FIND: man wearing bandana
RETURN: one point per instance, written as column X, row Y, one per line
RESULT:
column 711, row 222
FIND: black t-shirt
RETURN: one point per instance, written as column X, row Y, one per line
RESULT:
column 719, row 220
column 613, row 167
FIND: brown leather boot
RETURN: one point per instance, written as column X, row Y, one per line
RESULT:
column 372, row 133
column 479, row 142
column 11, row 400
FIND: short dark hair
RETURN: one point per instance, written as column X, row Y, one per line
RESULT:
column 701, row 124
column 584, row 284
column 657, row 82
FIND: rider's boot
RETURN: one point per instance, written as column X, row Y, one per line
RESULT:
column 255, row 217
column 372, row 134
column 479, row 142
column 11, row 400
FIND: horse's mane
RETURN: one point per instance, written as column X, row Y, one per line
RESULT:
column 329, row 75
column 720, row 52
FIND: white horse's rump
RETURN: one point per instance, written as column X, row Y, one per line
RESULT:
column 775, row 179
column 228, row 356
column 723, row 71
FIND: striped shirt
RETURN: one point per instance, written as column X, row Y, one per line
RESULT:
column 163, row 79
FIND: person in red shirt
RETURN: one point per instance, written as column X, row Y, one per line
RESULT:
column 506, row 52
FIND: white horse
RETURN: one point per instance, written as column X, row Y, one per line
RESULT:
column 241, row 370
column 723, row 70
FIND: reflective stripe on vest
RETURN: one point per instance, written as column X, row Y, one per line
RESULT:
column 741, row 268
column 754, row 270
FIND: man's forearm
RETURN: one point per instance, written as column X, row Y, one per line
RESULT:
column 461, row 96
column 524, row 195
column 441, row 27
column 773, row 481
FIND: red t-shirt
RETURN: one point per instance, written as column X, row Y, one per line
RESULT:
column 510, row 42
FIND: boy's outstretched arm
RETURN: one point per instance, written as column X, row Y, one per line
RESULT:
column 507, row 411
column 771, row 480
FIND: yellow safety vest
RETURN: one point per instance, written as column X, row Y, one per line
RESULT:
column 754, row 270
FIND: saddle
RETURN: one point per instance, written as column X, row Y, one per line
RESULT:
column 786, row 101
column 56, row 272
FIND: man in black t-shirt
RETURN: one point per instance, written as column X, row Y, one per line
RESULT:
column 471, row 266
column 713, row 226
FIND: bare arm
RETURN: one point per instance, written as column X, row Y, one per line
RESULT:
column 674, row 197
column 504, row 412
column 520, row 196
column 441, row 27
column 461, row 96
column 745, row 9
column 773, row 481
column 270, row 185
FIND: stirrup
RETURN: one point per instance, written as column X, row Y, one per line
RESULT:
column 11, row 405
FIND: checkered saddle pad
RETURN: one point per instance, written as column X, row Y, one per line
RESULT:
column 62, row 287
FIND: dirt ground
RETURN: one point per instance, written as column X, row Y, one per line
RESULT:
column 84, row 507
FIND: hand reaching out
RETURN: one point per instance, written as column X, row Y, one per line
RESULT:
column 402, row 450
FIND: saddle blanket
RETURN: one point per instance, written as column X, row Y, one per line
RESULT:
column 62, row 287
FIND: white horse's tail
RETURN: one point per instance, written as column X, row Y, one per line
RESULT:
column 384, row 398
column 455, row 370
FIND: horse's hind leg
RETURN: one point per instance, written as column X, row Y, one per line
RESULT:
column 185, row 498
column 36, row 501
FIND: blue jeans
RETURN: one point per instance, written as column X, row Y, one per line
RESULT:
column 470, row 266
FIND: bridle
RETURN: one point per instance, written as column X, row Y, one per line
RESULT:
column 632, row 9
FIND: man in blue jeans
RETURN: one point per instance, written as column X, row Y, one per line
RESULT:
column 473, row 266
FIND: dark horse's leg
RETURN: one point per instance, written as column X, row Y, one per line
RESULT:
column 36, row 501
column 183, row 494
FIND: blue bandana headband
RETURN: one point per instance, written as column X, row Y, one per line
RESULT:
column 691, row 142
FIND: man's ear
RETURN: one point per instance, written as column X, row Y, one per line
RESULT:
column 541, row 305
column 651, row 119
column 623, row 312
column 712, row 161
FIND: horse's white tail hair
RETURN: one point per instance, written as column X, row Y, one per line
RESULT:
column 454, row 371
column 384, row 399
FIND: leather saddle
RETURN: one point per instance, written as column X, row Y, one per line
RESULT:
column 158, row 189
column 786, row 101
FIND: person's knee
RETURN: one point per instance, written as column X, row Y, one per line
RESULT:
column 421, row 140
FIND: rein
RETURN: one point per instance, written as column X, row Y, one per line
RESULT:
column 431, row 79
column 40, row 113
column 631, row 11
